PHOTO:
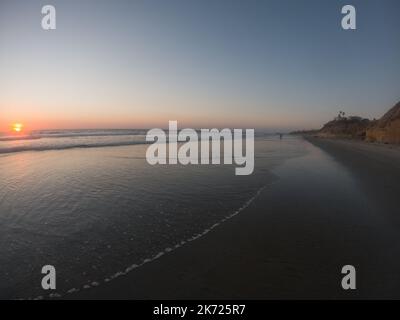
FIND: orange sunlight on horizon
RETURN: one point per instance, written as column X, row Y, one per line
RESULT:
column 17, row 127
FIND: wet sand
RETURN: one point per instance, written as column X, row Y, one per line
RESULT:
column 332, row 207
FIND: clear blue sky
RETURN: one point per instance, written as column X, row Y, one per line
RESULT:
column 265, row 64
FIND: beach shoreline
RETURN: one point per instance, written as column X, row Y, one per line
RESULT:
column 292, row 241
column 376, row 166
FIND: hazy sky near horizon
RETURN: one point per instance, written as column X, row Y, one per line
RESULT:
column 283, row 64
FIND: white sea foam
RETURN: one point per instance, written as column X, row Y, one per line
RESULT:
column 158, row 255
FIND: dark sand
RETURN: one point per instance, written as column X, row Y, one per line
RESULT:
column 337, row 205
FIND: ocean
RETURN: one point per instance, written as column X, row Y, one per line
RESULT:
column 88, row 203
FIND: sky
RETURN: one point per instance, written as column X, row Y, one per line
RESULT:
column 274, row 65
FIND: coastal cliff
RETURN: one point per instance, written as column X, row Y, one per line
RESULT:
column 351, row 127
column 386, row 129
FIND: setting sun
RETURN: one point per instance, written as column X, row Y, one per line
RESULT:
column 17, row 127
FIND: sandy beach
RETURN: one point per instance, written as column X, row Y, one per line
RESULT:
column 334, row 206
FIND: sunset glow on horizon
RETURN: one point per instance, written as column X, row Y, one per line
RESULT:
column 151, row 62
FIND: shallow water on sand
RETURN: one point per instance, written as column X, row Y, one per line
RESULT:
column 95, row 213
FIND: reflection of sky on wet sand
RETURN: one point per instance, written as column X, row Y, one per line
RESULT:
column 99, row 210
